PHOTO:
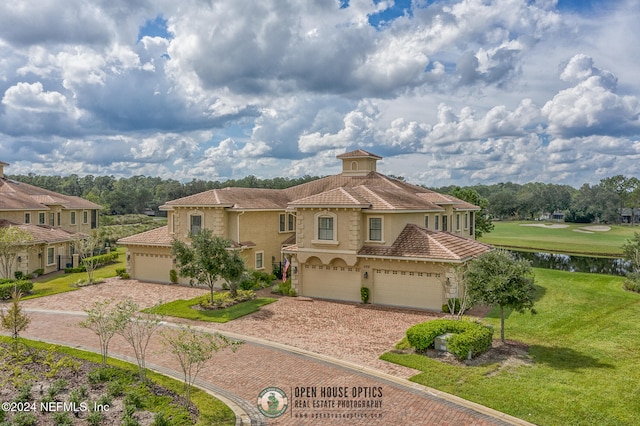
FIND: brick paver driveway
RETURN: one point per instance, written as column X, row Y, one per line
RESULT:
column 312, row 350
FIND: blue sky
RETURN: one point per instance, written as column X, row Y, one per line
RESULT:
column 454, row 92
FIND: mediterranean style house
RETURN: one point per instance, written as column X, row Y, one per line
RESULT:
column 53, row 220
column 355, row 229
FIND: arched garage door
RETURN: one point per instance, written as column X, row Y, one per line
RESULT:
column 335, row 281
column 152, row 267
column 410, row 289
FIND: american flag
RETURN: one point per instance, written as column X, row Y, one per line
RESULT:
column 284, row 270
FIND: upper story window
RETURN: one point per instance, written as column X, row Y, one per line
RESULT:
column 466, row 220
column 41, row 218
column 85, row 217
column 444, row 223
column 52, row 219
column 436, row 224
column 27, row 218
column 457, row 221
column 375, row 229
column 283, row 221
column 325, row 228
column 195, row 224
column 291, row 222
column 426, row 221
column 73, row 218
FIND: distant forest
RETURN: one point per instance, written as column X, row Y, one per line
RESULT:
column 140, row 194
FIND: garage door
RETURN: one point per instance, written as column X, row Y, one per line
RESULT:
column 331, row 282
column 410, row 289
column 152, row 268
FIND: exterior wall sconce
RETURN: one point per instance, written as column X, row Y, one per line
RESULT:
column 19, row 259
column 295, row 269
column 366, row 275
column 128, row 257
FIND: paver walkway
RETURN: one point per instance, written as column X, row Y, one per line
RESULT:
column 346, row 336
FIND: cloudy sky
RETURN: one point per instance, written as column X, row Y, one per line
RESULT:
column 447, row 91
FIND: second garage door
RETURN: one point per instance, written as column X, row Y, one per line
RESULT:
column 410, row 289
column 331, row 282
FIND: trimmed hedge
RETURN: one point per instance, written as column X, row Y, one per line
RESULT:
column 6, row 289
column 467, row 336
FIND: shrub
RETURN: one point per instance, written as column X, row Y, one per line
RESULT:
column 173, row 276
column 24, row 286
column 285, row 289
column 456, row 306
column 467, row 336
column 19, row 275
column 122, row 273
column 632, row 283
column 364, row 294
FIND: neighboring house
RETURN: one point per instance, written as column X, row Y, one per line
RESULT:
column 357, row 228
column 628, row 215
column 51, row 218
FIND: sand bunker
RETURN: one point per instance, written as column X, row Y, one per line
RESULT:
column 544, row 225
column 596, row 228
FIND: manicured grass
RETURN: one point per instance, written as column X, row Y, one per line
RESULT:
column 212, row 410
column 584, row 344
column 67, row 282
column 569, row 240
column 182, row 309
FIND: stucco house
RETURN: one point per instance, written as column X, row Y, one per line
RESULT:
column 52, row 219
column 339, row 233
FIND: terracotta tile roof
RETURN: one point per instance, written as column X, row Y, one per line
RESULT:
column 21, row 196
column 237, row 198
column 343, row 197
column 438, row 198
column 42, row 234
column 358, row 153
column 417, row 242
column 289, row 241
column 155, row 237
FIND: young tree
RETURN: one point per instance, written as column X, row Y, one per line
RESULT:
column 137, row 328
column 207, row 260
column 459, row 304
column 498, row 279
column 13, row 319
column 12, row 240
column 86, row 248
column 193, row 349
column 105, row 321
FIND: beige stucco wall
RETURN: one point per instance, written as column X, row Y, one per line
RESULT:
column 213, row 218
column 18, row 216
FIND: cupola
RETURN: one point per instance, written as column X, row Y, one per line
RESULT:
column 358, row 162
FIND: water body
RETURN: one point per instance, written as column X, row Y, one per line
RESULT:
column 565, row 262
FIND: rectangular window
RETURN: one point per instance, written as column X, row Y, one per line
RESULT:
column 58, row 218
column 259, row 260
column 436, row 225
column 85, row 217
column 27, row 218
column 41, row 218
column 282, row 222
column 375, row 229
column 292, row 225
column 73, row 218
column 466, row 220
column 426, row 221
column 444, row 223
column 457, row 221
column 52, row 219
column 325, row 228
column 50, row 256
column 196, row 224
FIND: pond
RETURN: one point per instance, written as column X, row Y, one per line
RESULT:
column 564, row 262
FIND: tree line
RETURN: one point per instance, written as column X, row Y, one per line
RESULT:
column 141, row 194
column 601, row 202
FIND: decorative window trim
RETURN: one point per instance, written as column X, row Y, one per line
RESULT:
column 42, row 218
column 72, row 218
column 282, row 222
column 85, row 217
column 316, row 222
column 291, row 222
column 371, row 240
column 27, row 218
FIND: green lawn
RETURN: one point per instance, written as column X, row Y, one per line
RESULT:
column 584, row 344
column 55, row 284
column 182, row 309
column 563, row 240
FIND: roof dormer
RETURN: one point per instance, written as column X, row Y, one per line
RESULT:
column 358, row 162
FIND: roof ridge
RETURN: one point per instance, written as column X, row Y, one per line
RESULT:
column 382, row 200
column 348, row 194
